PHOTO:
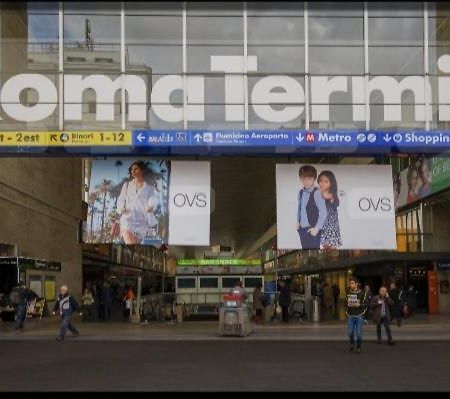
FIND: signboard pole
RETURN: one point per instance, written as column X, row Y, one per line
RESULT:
column 138, row 300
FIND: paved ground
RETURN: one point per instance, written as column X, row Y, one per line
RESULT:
column 76, row 365
column 423, row 328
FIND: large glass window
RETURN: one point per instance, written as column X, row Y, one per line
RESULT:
column 209, row 282
column 218, row 80
column 92, row 46
column 186, row 282
column 29, row 44
column 396, row 51
column 336, row 48
column 439, row 49
column 276, row 41
column 215, row 49
column 154, row 50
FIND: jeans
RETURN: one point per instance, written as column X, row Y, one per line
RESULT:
column 385, row 322
column 20, row 316
column 355, row 324
column 66, row 324
column 307, row 240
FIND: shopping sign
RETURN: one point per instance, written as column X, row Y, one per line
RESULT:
column 281, row 90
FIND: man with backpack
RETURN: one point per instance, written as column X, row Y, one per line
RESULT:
column 18, row 298
column 66, row 305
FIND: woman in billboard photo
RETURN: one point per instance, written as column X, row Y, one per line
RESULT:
column 137, row 204
column 425, row 177
column 331, row 232
column 412, row 179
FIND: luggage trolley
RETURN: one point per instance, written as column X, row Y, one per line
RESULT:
column 234, row 317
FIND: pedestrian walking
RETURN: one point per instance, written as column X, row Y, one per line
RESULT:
column 284, row 300
column 258, row 305
column 88, row 304
column 328, row 299
column 411, row 300
column 381, row 304
column 397, row 294
column 128, row 299
column 356, row 302
column 336, row 293
column 107, row 300
column 369, row 295
column 18, row 298
column 66, row 305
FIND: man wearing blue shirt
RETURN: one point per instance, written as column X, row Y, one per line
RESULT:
column 312, row 209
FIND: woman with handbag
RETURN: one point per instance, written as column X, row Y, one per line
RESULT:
column 136, row 206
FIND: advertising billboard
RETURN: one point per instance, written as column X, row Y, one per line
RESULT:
column 189, row 203
column 335, row 207
column 128, row 201
column 423, row 177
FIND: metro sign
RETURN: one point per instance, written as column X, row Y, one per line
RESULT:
column 270, row 90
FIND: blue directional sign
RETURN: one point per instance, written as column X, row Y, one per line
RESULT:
column 227, row 142
column 295, row 141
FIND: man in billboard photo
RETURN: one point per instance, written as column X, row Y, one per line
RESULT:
column 425, row 177
column 312, row 209
column 137, row 204
column 330, row 237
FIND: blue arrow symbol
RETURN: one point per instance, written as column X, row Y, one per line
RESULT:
column 387, row 138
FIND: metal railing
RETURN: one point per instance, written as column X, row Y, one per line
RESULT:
column 181, row 306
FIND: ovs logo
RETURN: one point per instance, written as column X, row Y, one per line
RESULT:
column 371, row 203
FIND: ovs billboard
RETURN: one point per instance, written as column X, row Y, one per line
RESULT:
column 335, row 207
column 130, row 202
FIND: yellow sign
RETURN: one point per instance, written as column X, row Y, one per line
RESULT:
column 23, row 139
column 50, row 289
column 66, row 138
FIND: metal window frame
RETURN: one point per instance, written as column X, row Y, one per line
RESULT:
column 366, row 65
column 185, row 95
column 61, row 65
column 245, row 80
column 428, row 111
column 306, row 45
column 426, row 66
column 122, row 66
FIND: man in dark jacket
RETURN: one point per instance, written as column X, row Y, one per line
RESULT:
column 18, row 298
column 284, row 300
column 397, row 294
column 66, row 305
column 356, row 300
column 380, row 305
column 107, row 300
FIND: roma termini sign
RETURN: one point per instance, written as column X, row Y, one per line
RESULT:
column 266, row 92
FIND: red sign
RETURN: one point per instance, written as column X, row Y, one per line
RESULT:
column 310, row 138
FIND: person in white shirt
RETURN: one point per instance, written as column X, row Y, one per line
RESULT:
column 136, row 205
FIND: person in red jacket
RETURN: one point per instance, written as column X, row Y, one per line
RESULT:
column 128, row 299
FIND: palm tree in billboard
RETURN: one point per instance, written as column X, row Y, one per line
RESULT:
column 104, row 188
column 92, row 199
column 117, row 165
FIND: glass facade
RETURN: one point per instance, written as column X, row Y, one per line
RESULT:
column 236, row 65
